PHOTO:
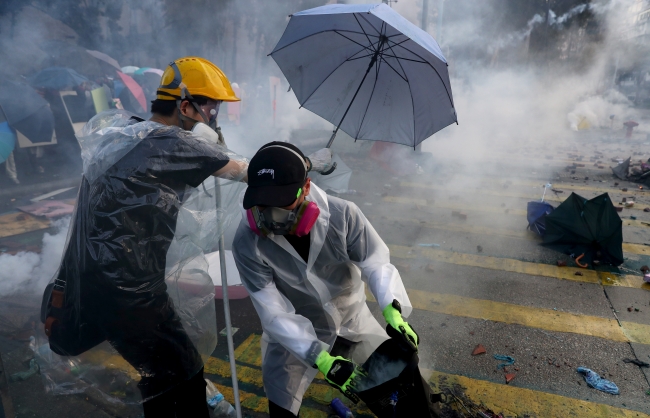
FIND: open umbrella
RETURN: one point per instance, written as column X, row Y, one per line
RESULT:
column 57, row 78
column 588, row 229
column 26, row 111
column 103, row 57
column 146, row 70
column 134, row 89
column 368, row 71
column 130, row 69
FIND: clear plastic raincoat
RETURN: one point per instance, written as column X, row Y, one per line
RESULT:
column 303, row 307
column 137, row 316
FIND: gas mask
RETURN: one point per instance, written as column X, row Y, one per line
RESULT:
column 277, row 221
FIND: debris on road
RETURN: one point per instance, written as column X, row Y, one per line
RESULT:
column 430, row 245
column 509, row 377
column 561, row 263
column 479, row 350
column 636, row 361
column 595, row 381
column 507, row 360
column 20, row 376
column 479, row 248
column 578, row 273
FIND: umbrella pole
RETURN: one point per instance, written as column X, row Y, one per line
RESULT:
column 372, row 62
column 226, row 302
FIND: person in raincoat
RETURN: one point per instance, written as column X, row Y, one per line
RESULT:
column 111, row 284
column 304, row 257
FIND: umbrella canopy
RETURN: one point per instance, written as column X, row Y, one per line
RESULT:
column 135, row 89
column 130, row 69
column 590, row 227
column 367, row 70
column 7, row 141
column 536, row 215
column 57, row 78
column 26, row 111
column 145, row 70
column 103, row 57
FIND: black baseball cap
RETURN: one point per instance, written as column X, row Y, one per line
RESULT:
column 275, row 175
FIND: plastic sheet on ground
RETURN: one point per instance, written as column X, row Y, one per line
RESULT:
column 138, row 314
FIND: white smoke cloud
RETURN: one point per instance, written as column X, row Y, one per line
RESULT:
column 29, row 272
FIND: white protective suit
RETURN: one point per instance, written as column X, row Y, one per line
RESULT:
column 303, row 307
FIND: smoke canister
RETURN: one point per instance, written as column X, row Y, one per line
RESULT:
column 340, row 409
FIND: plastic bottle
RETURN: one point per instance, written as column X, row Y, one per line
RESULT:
column 340, row 409
column 217, row 402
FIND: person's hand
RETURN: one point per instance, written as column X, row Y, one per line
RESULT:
column 340, row 373
column 398, row 327
column 320, row 161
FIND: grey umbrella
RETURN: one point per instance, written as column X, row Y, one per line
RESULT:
column 367, row 70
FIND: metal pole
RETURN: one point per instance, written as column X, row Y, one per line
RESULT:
column 226, row 303
column 425, row 14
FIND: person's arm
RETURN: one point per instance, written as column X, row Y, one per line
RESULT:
column 234, row 170
column 279, row 319
column 369, row 252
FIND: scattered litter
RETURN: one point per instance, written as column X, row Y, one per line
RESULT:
column 509, row 377
column 595, row 381
column 433, row 244
column 561, row 263
column 633, row 217
column 629, row 204
column 618, row 209
column 558, row 191
column 624, row 189
column 479, row 350
column 224, row 332
column 646, row 209
column 578, row 273
column 636, row 361
column 645, row 269
column 629, row 309
column 20, row 376
column 340, row 409
column 508, row 361
column 479, row 248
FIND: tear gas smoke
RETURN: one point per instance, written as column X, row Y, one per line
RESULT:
column 29, row 272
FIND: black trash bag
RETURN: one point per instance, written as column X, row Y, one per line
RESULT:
column 394, row 386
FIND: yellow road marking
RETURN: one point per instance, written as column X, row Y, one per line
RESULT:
column 319, row 392
column 522, row 267
column 499, row 193
column 249, row 351
column 21, row 223
column 520, row 402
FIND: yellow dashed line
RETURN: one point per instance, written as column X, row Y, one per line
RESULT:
column 522, row 267
column 499, row 193
column 20, row 223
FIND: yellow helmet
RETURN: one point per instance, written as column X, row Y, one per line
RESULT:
column 197, row 77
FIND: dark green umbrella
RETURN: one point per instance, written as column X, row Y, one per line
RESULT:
column 590, row 227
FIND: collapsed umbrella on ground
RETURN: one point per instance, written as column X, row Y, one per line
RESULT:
column 368, row 71
column 26, row 112
column 57, row 78
column 536, row 215
column 591, row 230
column 622, row 170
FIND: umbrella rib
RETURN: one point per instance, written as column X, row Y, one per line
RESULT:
column 434, row 69
column 400, row 65
column 353, row 41
column 364, row 32
column 396, row 72
column 405, row 59
column 324, row 80
column 371, row 25
column 358, row 58
column 318, row 33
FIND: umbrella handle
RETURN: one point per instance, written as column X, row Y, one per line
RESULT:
column 584, row 266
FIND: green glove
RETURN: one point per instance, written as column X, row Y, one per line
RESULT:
column 340, row 373
column 393, row 315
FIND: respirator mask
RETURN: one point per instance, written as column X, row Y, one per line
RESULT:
column 277, row 221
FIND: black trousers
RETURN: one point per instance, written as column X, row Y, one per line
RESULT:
column 186, row 400
column 276, row 411
column 149, row 334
